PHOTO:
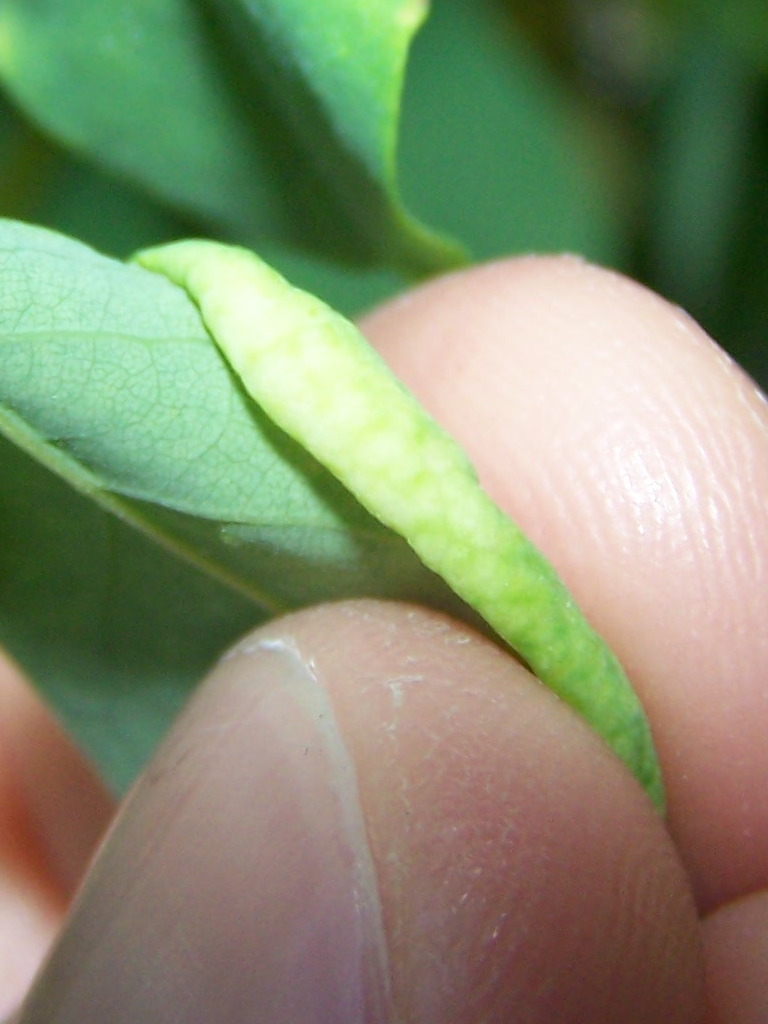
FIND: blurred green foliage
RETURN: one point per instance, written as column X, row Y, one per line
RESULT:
column 634, row 131
column 676, row 96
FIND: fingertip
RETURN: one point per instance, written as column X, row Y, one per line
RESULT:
column 508, row 842
column 634, row 453
column 52, row 812
column 236, row 883
column 64, row 804
column 372, row 811
column 736, row 952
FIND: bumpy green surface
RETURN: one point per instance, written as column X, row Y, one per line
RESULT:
column 317, row 378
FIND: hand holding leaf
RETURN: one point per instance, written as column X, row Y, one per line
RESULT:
column 173, row 444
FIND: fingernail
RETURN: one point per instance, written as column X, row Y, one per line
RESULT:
column 237, row 886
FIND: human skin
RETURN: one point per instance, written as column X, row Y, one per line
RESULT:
column 513, row 869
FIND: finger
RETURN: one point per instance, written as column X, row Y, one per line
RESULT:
column 52, row 813
column 635, row 454
column 736, row 950
column 369, row 815
column 65, row 806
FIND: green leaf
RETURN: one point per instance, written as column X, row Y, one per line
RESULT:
column 319, row 380
column 22, row 164
column 137, row 87
column 114, row 630
column 493, row 148
column 282, row 130
column 746, row 22
column 742, row 24
column 706, row 127
column 108, row 378
column 335, row 72
column 42, row 183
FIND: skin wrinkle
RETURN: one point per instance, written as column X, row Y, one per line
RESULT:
column 649, row 473
column 753, row 558
column 635, row 483
column 681, row 497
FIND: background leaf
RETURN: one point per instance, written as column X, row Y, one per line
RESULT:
column 159, row 92
column 739, row 23
column 137, row 87
column 701, row 240
column 703, row 135
column 493, row 148
column 673, row 95
column 43, row 183
column 108, row 377
column 335, row 73
column 113, row 629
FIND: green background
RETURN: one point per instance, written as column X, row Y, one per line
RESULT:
column 634, row 131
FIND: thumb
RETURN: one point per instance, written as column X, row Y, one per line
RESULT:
column 370, row 815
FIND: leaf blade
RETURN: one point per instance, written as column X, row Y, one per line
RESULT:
column 108, row 377
column 492, row 146
column 320, row 381
column 114, row 631
column 151, row 87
